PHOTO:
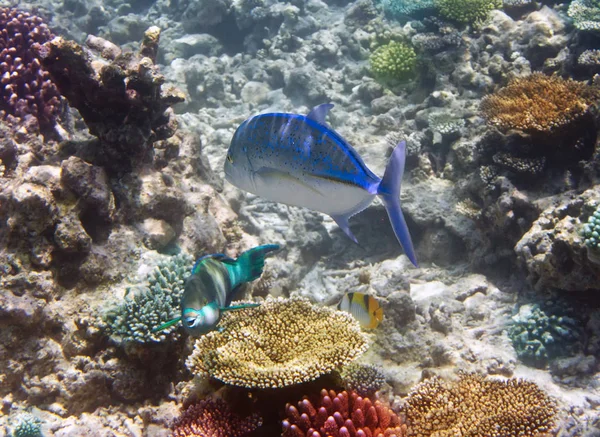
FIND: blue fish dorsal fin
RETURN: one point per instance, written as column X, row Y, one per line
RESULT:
column 319, row 113
column 218, row 256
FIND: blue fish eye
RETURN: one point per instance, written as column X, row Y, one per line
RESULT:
column 190, row 321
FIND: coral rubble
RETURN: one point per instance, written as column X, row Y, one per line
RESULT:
column 280, row 343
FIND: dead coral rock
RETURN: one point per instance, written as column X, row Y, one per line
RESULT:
column 202, row 234
column 70, row 236
column 33, row 209
column 553, row 250
column 157, row 233
column 121, row 100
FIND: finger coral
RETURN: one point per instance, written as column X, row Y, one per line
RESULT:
column 119, row 95
column 280, row 343
column 479, row 407
column 214, row 418
column 341, row 415
column 27, row 93
column 538, row 104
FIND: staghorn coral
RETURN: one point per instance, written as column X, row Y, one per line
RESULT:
column 27, row 93
column 151, row 306
column 478, row 407
column 364, row 379
column 121, row 98
column 341, row 415
column 282, row 342
column 214, row 418
column 467, row 11
column 538, row 104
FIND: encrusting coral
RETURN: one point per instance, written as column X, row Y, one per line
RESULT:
column 341, row 415
column 151, row 306
column 214, row 418
column 478, row 407
column 538, row 104
column 27, row 93
column 280, row 343
column 120, row 97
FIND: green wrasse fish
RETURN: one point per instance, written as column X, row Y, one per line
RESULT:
column 363, row 307
column 210, row 288
column 299, row 160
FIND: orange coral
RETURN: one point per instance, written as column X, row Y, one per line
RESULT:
column 538, row 103
column 214, row 418
column 478, row 407
column 341, row 415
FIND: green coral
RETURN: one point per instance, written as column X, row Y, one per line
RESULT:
column 585, row 14
column 467, row 11
column 147, row 307
column 538, row 336
column 401, row 8
column 591, row 231
column 393, row 62
column 26, row 425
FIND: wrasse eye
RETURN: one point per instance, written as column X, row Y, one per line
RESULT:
column 229, row 158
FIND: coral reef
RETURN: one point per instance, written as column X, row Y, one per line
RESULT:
column 467, row 11
column 538, row 104
column 120, row 96
column 26, row 425
column 393, row 62
column 401, row 8
column 344, row 414
column 280, row 343
column 364, row 379
column 147, row 307
column 27, row 95
column 590, row 231
column 538, row 336
column 585, row 14
column 445, row 123
column 476, row 407
column 214, row 418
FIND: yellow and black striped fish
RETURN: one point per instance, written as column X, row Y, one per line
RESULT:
column 363, row 307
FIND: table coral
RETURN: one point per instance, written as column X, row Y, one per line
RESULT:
column 280, row 343
column 214, row 418
column 538, row 104
column 477, row 407
column 27, row 93
column 121, row 98
column 344, row 414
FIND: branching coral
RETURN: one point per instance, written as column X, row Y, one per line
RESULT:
column 538, row 104
column 121, row 97
column 400, row 8
column 26, row 425
column 341, row 415
column 585, row 14
column 364, row 379
column 538, row 336
column 214, row 418
column 151, row 306
column 280, row 343
column 467, row 11
column 26, row 93
column 479, row 407
column 393, row 62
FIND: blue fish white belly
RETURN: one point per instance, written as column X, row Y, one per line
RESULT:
column 299, row 160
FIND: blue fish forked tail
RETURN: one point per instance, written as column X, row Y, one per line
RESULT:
column 389, row 191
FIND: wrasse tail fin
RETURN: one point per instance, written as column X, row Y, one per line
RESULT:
column 249, row 265
column 389, row 190
column 167, row 324
column 240, row 307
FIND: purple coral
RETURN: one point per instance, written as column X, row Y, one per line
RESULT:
column 27, row 93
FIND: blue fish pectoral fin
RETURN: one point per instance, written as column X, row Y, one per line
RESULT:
column 389, row 191
column 342, row 222
column 240, row 307
column 167, row 324
column 273, row 177
column 319, row 113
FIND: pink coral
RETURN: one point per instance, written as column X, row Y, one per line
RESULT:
column 341, row 415
column 214, row 418
column 27, row 93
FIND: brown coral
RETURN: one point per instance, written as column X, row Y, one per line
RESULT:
column 538, row 104
column 341, row 415
column 280, row 343
column 479, row 407
column 214, row 418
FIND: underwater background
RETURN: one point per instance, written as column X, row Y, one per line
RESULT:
column 115, row 123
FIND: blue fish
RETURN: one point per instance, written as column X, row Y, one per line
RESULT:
column 299, row 160
column 214, row 281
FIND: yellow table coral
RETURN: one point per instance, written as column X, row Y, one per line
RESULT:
column 280, row 343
